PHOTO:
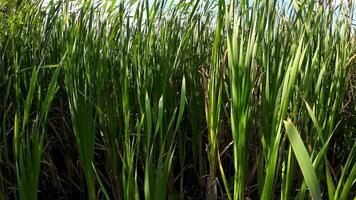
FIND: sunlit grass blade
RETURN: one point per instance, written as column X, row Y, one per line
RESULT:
column 303, row 159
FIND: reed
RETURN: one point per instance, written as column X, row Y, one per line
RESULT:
column 177, row 99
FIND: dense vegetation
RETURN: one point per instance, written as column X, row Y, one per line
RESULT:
column 177, row 100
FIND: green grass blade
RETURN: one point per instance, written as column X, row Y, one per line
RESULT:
column 303, row 159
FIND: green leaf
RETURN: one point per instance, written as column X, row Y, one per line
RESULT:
column 303, row 159
column 181, row 104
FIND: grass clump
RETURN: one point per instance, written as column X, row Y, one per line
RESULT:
column 177, row 99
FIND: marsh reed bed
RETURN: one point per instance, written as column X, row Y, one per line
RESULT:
column 180, row 99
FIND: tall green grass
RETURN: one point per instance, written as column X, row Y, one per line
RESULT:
column 177, row 99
